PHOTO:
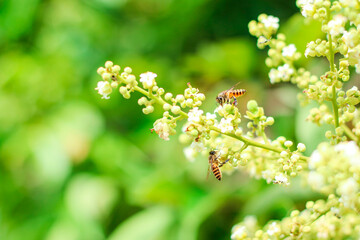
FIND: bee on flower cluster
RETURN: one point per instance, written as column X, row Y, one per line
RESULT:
column 230, row 94
column 215, row 164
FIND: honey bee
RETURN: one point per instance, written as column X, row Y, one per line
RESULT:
column 227, row 95
column 215, row 165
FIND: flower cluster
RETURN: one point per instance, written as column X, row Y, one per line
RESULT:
column 333, row 169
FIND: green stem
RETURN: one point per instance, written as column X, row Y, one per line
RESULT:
column 349, row 133
column 159, row 100
column 332, row 69
column 254, row 143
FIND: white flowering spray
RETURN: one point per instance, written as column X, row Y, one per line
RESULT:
column 333, row 169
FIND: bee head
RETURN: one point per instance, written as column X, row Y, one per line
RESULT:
column 219, row 99
column 212, row 152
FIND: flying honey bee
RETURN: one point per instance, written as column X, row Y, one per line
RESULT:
column 215, row 165
column 227, row 95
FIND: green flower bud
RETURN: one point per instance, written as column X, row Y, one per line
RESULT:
column 160, row 91
column 101, row 70
column 301, row 147
column 106, row 76
column 180, row 98
column 116, row 69
column 150, row 109
column 201, row 96
column 109, row 64
column 288, row 144
column 128, row 70
column 286, row 167
column 142, row 101
column 114, row 84
column 339, row 131
column 168, row 96
column 284, row 154
column 238, row 132
column 175, row 110
column 123, row 90
column 252, row 106
column 328, row 134
column 167, row 107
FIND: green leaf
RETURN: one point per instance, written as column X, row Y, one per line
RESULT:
column 148, row 224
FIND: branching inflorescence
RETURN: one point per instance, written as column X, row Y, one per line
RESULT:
column 333, row 169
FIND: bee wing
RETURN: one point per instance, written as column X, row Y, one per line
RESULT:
column 234, row 86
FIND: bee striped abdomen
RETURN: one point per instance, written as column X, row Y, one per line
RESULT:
column 236, row 93
column 216, row 171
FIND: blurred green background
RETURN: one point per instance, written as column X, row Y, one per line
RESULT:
column 74, row 166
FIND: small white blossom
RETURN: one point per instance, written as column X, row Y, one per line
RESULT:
column 285, row 72
column 226, row 125
column 148, row 79
column 274, row 76
column 268, row 175
column 190, row 153
column 351, row 151
column 104, row 89
column 271, row 22
column 194, row 115
column 315, row 159
column 336, row 26
column 162, row 128
column 316, row 180
column 239, row 232
column 289, row 51
column 281, row 179
column 307, row 7
column 210, row 116
column 351, row 38
column 273, row 229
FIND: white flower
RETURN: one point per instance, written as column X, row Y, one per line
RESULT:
column 351, row 152
column 281, row 179
column 336, row 26
column 351, row 38
column 316, row 180
column 210, row 116
column 285, row 72
column 162, row 128
column 348, row 188
column 267, row 175
column 226, row 125
column 190, row 153
column 271, row 22
column 315, row 159
column 274, row 76
column 273, row 229
column 194, row 115
column 104, row 89
column 289, row 51
column 148, row 79
column 239, row 232
column 307, row 8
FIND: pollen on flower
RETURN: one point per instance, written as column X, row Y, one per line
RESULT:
column 104, row 89
column 162, row 129
column 148, row 79
column 281, row 179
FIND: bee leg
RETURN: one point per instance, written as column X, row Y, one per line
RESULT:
column 222, row 163
column 235, row 101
